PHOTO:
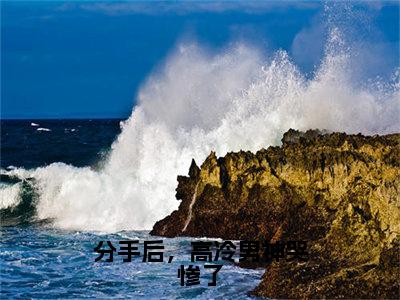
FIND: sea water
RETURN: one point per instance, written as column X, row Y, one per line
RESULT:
column 40, row 261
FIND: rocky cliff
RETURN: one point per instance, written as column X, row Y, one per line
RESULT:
column 338, row 192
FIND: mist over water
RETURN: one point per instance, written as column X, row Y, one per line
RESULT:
column 198, row 101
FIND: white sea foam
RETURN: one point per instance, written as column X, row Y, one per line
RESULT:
column 34, row 124
column 198, row 102
column 43, row 129
column 9, row 195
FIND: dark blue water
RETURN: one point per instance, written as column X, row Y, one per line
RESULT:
column 40, row 261
column 28, row 144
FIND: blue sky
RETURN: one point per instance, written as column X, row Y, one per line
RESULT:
column 88, row 59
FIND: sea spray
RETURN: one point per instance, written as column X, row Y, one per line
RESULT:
column 198, row 102
column 190, row 212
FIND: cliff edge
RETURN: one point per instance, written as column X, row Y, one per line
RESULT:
column 338, row 192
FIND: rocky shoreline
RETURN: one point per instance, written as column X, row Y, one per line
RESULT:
column 338, row 192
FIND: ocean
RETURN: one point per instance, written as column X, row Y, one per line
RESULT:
column 39, row 260
column 66, row 185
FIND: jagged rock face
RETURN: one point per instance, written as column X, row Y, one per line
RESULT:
column 338, row 192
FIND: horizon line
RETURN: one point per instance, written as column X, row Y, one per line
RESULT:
column 62, row 118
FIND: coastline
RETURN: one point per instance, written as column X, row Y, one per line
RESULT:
column 336, row 191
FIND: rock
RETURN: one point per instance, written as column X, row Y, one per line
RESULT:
column 194, row 170
column 338, row 192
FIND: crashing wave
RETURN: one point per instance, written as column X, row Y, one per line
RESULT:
column 198, row 102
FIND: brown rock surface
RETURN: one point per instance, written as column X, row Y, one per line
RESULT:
column 338, row 192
